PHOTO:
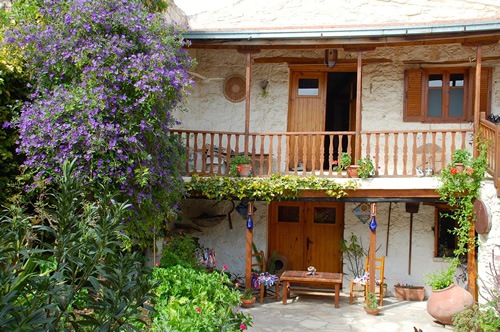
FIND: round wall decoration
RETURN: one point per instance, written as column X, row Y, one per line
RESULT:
column 483, row 219
column 234, row 88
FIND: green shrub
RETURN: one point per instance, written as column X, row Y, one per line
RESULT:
column 189, row 300
column 66, row 257
column 180, row 250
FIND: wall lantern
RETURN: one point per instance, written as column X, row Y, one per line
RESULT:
column 331, row 57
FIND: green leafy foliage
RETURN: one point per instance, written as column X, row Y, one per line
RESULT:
column 64, row 267
column 441, row 279
column 191, row 300
column 276, row 187
column 236, row 161
column 354, row 252
column 180, row 250
column 366, row 168
column 371, row 301
column 460, row 189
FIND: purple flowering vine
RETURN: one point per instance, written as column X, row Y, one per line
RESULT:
column 106, row 77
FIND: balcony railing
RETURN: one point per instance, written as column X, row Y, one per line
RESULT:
column 491, row 133
column 394, row 153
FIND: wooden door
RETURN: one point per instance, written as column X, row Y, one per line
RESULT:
column 307, row 111
column 307, row 233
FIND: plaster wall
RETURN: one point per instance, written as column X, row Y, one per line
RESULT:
column 382, row 94
column 229, row 244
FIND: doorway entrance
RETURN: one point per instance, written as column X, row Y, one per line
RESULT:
column 321, row 101
column 307, row 234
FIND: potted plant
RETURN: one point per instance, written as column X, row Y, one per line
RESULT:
column 240, row 166
column 342, row 163
column 460, row 159
column 366, row 168
column 407, row 292
column 247, row 299
column 371, row 304
column 446, row 299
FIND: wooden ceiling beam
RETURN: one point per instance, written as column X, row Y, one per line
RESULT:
column 313, row 61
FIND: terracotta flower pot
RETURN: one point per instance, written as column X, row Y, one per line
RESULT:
column 247, row 303
column 416, row 293
column 352, row 171
column 443, row 304
column 372, row 311
column 245, row 170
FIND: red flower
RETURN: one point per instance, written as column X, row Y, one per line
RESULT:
column 242, row 327
column 453, row 170
column 198, row 309
column 224, row 267
column 239, row 168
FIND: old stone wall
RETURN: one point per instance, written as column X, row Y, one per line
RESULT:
column 245, row 14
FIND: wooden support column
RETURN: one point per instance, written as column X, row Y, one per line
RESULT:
column 248, row 249
column 371, row 253
column 471, row 255
column 477, row 97
column 357, row 144
column 248, row 80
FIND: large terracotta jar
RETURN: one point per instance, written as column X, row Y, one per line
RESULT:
column 443, row 304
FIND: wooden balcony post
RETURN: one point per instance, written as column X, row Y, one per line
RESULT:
column 357, row 142
column 477, row 97
column 248, row 249
column 372, row 252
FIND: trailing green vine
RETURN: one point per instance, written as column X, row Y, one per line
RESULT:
column 276, row 187
column 459, row 189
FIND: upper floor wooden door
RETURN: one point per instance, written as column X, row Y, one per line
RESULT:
column 307, row 111
column 307, row 233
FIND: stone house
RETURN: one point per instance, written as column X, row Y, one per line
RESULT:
column 294, row 84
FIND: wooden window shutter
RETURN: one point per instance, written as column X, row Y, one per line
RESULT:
column 413, row 96
column 485, row 98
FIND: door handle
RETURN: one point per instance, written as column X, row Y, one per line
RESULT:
column 308, row 242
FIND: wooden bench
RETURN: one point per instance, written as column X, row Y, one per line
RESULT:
column 325, row 279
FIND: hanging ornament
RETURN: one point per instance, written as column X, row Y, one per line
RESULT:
column 249, row 222
column 373, row 223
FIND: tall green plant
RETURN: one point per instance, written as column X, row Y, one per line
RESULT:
column 190, row 300
column 68, row 258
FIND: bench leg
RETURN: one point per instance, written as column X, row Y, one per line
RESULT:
column 285, row 286
column 337, row 295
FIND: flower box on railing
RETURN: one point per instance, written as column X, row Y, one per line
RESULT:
column 409, row 293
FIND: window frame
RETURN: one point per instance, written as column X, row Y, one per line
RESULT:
column 439, row 211
column 416, row 83
column 445, row 95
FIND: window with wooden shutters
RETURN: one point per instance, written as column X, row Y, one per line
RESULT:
column 444, row 95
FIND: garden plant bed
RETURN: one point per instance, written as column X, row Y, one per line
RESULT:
column 414, row 293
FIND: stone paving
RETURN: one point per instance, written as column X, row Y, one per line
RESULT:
column 317, row 313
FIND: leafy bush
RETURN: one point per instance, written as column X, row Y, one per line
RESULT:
column 180, row 250
column 64, row 267
column 441, row 279
column 106, row 100
column 190, row 300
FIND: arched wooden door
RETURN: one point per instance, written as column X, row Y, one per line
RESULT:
column 307, row 234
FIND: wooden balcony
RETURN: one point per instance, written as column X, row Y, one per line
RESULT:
column 394, row 153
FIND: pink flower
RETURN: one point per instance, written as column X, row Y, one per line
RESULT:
column 242, row 327
column 470, row 170
column 224, row 267
column 157, row 263
column 237, row 284
column 453, row 170
column 198, row 309
column 335, row 162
